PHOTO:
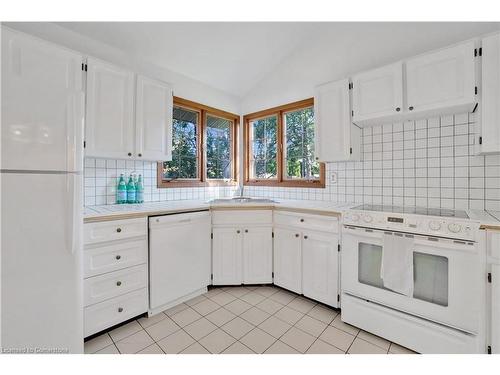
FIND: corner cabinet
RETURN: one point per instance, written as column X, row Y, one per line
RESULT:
column 112, row 130
column 489, row 109
column 153, row 125
column 242, row 247
column 377, row 95
column 336, row 137
column 109, row 124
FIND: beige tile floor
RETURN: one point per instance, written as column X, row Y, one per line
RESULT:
column 243, row 319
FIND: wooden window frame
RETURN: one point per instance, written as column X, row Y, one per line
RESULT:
column 202, row 181
column 280, row 179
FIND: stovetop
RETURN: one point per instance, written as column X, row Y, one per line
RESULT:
column 441, row 212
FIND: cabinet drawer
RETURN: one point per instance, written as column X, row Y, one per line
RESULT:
column 113, row 311
column 114, row 230
column 100, row 288
column 307, row 221
column 113, row 257
column 242, row 217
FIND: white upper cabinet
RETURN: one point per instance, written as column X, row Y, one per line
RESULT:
column 489, row 108
column 336, row 138
column 377, row 95
column 153, row 120
column 109, row 130
column 442, row 81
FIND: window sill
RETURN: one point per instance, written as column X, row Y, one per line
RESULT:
column 316, row 184
column 187, row 183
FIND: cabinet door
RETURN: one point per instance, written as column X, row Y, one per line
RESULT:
column 226, row 256
column 490, row 95
column 377, row 94
column 288, row 259
column 109, row 129
column 320, row 267
column 495, row 308
column 442, row 79
column 332, row 111
column 257, row 255
column 153, row 126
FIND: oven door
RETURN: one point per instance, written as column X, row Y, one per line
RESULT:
column 446, row 275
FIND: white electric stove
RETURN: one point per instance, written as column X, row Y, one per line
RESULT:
column 444, row 313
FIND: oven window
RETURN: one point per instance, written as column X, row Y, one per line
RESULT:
column 370, row 261
column 430, row 275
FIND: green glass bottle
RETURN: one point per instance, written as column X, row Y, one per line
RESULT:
column 139, row 190
column 131, row 192
column 121, row 190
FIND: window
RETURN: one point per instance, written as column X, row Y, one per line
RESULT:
column 203, row 147
column 279, row 147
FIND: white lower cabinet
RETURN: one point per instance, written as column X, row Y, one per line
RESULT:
column 495, row 308
column 320, row 264
column 306, row 260
column 226, row 256
column 288, row 259
column 258, row 255
column 242, row 251
column 493, row 252
column 115, row 271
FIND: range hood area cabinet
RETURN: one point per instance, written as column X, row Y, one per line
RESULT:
column 336, row 137
column 377, row 95
column 488, row 133
column 436, row 83
column 111, row 129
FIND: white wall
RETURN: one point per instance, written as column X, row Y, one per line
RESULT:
column 340, row 50
column 183, row 86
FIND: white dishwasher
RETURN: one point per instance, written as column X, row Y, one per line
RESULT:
column 179, row 258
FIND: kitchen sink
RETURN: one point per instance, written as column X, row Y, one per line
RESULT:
column 241, row 200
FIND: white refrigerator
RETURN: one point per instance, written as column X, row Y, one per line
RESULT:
column 42, row 102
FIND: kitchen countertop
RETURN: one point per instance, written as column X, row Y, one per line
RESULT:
column 487, row 219
column 130, row 211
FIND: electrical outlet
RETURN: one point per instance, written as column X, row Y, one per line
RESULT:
column 333, row 178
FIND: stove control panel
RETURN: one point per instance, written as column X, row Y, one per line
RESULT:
column 456, row 228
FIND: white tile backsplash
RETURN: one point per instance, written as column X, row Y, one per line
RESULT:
column 101, row 176
column 429, row 163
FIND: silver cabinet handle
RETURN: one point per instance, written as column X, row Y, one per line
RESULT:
column 238, row 231
column 118, row 257
column 246, row 230
column 118, row 283
column 301, row 220
column 305, row 237
column 296, row 234
column 118, row 230
column 120, row 309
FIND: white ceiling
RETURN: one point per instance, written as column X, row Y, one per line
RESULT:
column 228, row 56
column 237, row 57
